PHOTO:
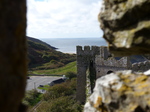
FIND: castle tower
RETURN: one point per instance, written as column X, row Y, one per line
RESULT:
column 85, row 61
column 96, row 62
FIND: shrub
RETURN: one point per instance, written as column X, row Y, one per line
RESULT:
column 71, row 75
column 53, row 62
column 73, row 83
column 32, row 97
column 60, row 98
column 58, row 90
column 61, row 104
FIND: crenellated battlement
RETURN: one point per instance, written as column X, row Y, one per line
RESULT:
column 98, row 61
column 102, row 57
column 87, row 50
column 111, row 61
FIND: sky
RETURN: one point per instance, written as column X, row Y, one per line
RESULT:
column 63, row 18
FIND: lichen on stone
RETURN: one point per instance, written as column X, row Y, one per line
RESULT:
column 126, row 26
column 122, row 91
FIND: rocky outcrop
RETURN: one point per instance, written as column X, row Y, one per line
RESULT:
column 121, row 92
column 126, row 26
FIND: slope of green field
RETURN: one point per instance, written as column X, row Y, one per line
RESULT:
column 40, row 53
column 70, row 67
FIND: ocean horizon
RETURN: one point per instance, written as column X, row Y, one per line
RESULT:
column 68, row 45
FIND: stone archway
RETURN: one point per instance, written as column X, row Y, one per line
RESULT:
column 110, row 71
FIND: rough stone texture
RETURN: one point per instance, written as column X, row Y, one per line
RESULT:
column 89, row 89
column 85, row 63
column 12, row 55
column 105, row 63
column 121, row 92
column 97, row 62
column 126, row 26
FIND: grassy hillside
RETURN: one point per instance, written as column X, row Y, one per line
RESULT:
column 57, row 98
column 70, row 67
column 43, row 56
column 40, row 42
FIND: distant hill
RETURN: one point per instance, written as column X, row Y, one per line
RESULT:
column 40, row 52
column 40, row 42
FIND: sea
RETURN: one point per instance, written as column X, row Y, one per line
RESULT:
column 68, row 45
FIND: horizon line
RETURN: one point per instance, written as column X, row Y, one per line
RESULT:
column 61, row 37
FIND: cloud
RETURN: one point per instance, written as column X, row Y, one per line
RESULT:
column 63, row 18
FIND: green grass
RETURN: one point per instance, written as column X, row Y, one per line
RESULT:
column 71, row 67
column 44, row 88
column 60, row 98
column 32, row 97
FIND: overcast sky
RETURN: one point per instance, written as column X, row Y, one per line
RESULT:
column 63, row 18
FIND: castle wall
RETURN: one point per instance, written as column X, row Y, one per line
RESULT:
column 103, row 70
column 123, row 62
column 84, row 58
column 141, row 66
column 87, row 50
column 81, row 84
column 105, row 64
column 94, row 62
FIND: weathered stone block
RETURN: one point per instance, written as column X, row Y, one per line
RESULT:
column 121, row 92
column 126, row 26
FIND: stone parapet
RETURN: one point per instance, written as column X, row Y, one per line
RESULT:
column 87, row 50
column 122, row 62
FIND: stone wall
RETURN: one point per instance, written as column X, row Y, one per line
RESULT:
column 126, row 26
column 85, row 61
column 104, row 70
column 110, row 64
column 122, row 62
column 13, row 59
column 96, row 62
column 141, row 66
column 122, row 91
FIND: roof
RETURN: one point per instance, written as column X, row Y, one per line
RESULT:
column 137, row 58
column 58, row 81
column 134, row 58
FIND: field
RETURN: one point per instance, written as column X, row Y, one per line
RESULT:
column 70, row 67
